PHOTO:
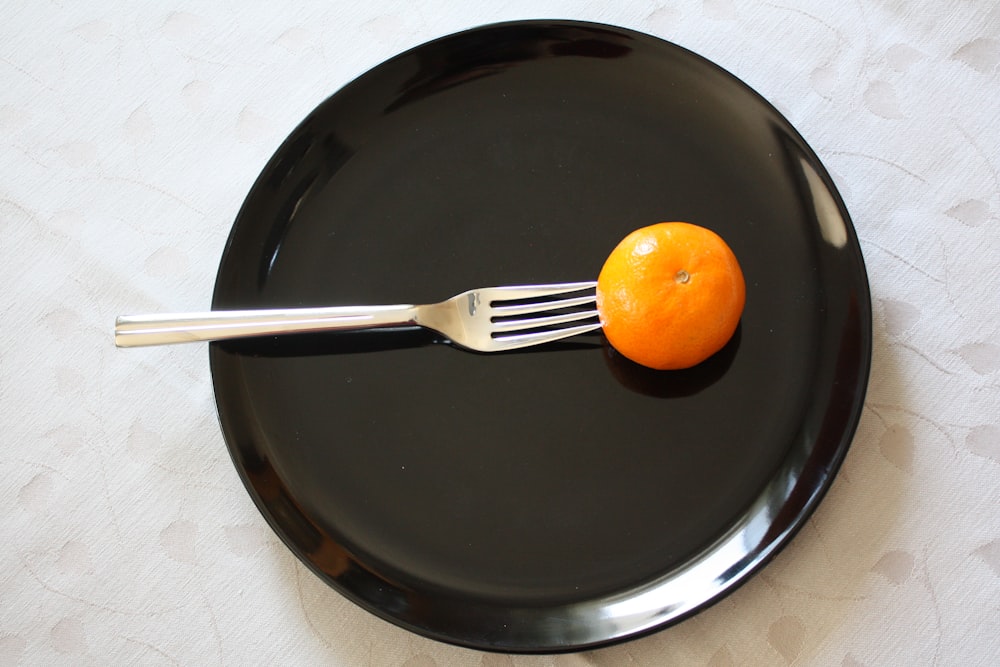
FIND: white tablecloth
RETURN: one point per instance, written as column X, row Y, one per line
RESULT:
column 130, row 136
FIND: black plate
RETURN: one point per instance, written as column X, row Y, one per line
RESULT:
column 561, row 497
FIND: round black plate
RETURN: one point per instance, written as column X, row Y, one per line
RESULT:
column 560, row 497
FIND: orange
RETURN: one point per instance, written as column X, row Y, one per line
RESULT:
column 670, row 295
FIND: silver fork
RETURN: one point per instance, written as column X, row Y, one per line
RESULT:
column 491, row 319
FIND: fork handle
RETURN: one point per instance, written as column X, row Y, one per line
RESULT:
column 141, row 330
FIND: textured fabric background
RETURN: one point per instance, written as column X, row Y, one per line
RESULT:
column 129, row 136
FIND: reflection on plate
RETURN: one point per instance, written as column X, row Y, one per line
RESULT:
column 562, row 497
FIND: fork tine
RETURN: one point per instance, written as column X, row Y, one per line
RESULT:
column 516, row 292
column 542, row 306
column 516, row 341
column 537, row 322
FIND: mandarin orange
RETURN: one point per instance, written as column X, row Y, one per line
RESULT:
column 670, row 295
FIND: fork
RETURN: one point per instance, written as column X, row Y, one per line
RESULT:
column 490, row 319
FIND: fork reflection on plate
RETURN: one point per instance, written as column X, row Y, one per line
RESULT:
column 490, row 319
